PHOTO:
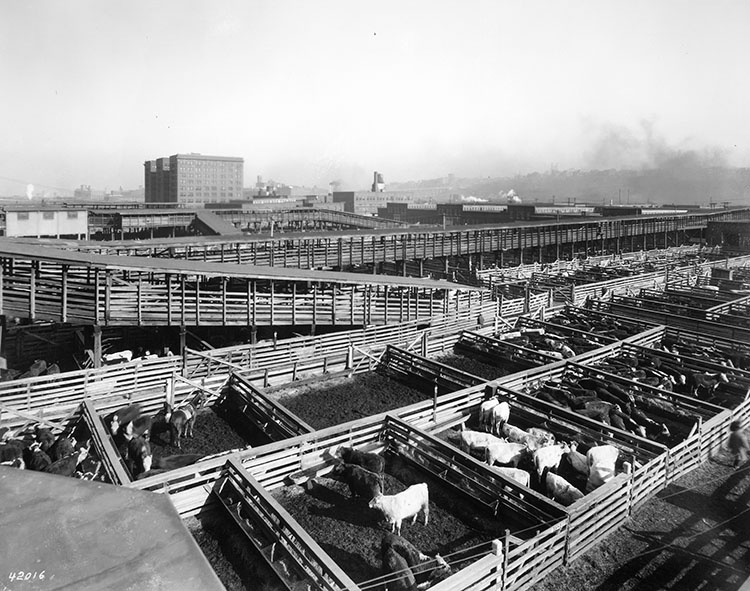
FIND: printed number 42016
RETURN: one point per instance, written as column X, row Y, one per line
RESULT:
column 26, row 575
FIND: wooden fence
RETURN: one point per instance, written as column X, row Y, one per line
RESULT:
column 245, row 499
column 627, row 307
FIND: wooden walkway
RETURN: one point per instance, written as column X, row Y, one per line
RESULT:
column 45, row 283
column 351, row 249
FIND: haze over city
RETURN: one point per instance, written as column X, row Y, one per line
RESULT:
column 312, row 92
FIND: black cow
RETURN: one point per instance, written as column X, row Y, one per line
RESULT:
column 44, row 437
column 139, row 456
column 122, row 417
column 67, row 466
column 361, row 482
column 411, row 569
column 62, row 448
column 368, row 460
column 35, row 458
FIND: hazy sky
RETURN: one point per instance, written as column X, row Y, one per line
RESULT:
column 312, row 91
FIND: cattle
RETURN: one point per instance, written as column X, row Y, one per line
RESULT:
column 705, row 381
column 492, row 412
column 658, row 432
column 520, row 476
column 117, row 357
column 62, row 448
column 560, row 489
column 485, row 413
column 44, row 437
column 35, row 458
column 577, row 460
column 541, row 436
column 601, row 460
column 361, row 482
column 36, row 369
column 182, row 419
column 67, row 466
column 409, row 503
column 505, row 453
column 161, row 465
column 139, row 456
column 549, row 457
column 142, row 427
column 474, row 440
column 122, row 417
column 11, row 453
column 412, row 569
column 399, row 577
column 368, row 460
column 499, row 415
column 534, row 438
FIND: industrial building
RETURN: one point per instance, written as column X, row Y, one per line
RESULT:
column 194, row 179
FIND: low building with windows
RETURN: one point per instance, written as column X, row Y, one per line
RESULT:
column 46, row 221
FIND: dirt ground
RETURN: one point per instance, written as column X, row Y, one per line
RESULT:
column 477, row 367
column 339, row 400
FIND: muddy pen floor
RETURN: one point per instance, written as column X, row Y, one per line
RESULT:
column 476, row 367
column 217, row 429
column 351, row 533
column 338, row 400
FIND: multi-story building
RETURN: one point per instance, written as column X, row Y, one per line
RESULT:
column 194, row 179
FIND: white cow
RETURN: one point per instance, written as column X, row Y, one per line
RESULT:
column 549, row 457
column 485, row 413
column 577, row 460
column 520, row 476
column 561, row 490
column 403, row 505
column 602, row 460
column 479, row 440
column 505, row 453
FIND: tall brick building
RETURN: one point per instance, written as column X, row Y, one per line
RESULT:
column 194, row 179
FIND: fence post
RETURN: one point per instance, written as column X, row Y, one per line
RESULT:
column 497, row 550
column 171, row 384
column 506, row 550
column 434, row 402
column 424, row 344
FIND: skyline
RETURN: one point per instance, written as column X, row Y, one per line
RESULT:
column 309, row 93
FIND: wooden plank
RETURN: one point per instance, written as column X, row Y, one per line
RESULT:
column 104, row 446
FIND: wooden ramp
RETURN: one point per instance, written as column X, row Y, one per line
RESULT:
column 66, row 533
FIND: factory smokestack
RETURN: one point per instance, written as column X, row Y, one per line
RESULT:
column 378, row 186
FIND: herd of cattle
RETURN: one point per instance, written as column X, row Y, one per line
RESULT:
column 404, row 567
column 532, row 457
column 131, row 433
column 40, row 450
